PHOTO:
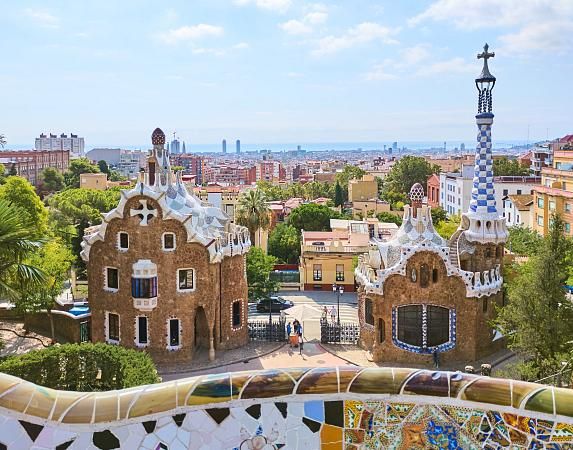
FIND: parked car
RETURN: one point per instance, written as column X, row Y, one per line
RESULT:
column 277, row 304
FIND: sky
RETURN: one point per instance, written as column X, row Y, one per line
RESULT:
column 282, row 71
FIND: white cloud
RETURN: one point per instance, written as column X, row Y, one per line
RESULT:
column 528, row 25
column 360, row 34
column 379, row 73
column 317, row 15
column 42, row 17
column 241, row 46
column 554, row 37
column 190, row 33
column 270, row 5
column 295, row 27
column 208, row 51
column 454, row 65
column 413, row 55
column 294, row 74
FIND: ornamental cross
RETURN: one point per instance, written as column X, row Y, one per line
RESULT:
column 144, row 212
column 485, row 55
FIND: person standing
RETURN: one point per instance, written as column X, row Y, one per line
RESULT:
column 288, row 331
column 333, row 313
column 300, row 343
column 436, row 356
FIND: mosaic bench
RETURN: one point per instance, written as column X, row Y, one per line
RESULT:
column 311, row 408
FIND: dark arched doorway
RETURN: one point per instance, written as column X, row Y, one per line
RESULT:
column 201, row 329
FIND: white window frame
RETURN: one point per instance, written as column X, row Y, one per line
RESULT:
column 163, row 242
column 169, row 346
column 119, row 247
column 105, row 285
column 107, row 338
column 186, row 291
column 137, row 342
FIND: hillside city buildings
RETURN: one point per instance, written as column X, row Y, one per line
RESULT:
column 72, row 144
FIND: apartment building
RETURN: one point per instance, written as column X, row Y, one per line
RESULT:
column 30, row 163
column 72, row 144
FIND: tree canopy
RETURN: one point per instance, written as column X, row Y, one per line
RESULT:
column 51, row 180
column 446, row 228
column 18, row 191
column 538, row 319
column 76, row 168
column 259, row 266
column 312, row 217
column 284, row 243
column 253, row 212
column 388, row 217
column 407, row 171
column 338, row 195
column 523, row 241
column 505, row 166
column 349, row 173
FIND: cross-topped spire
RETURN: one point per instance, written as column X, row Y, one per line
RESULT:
column 485, row 55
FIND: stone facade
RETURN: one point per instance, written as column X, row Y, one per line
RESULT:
column 170, row 268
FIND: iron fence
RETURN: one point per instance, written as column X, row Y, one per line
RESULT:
column 261, row 330
column 343, row 333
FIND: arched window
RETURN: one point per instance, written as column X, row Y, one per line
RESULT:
column 381, row 330
column 422, row 326
column 424, row 275
column 368, row 312
column 410, row 324
column 434, row 275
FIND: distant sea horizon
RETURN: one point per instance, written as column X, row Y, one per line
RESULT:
column 309, row 147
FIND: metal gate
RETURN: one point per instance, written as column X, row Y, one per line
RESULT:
column 343, row 333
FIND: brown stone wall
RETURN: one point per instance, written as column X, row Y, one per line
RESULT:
column 473, row 335
column 67, row 329
column 145, row 242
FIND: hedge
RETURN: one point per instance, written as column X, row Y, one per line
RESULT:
column 75, row 367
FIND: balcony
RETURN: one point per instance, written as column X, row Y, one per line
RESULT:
column 145, row 304
column 335, row 249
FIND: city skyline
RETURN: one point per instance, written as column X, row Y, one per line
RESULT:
column 282, row 71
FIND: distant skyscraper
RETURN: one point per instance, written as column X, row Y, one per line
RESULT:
column 183, row 150
column 224, row 144
column 238, row 144
column 394, row 146
column 463, row 147
column 74, row 144
column 175, row 147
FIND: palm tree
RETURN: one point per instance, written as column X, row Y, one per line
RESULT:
column 253, row 212
column 18, row 241
column 2, row 140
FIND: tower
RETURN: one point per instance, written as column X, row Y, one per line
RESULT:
column 484, row 223
column 238, row 145
column 224, row 145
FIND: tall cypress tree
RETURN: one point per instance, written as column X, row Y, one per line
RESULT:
column 338, row 195
column 538, row 320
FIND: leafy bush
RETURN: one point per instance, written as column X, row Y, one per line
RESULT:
column 75, row 367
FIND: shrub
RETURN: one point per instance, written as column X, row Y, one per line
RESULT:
column 75, row 367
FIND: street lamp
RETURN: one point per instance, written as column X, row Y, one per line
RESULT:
column 339, row 290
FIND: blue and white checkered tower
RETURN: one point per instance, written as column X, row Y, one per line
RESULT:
column 485, row 224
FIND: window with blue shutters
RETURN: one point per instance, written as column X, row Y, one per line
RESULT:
column 144, row 287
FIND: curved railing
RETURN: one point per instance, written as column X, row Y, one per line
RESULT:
column 344, row 407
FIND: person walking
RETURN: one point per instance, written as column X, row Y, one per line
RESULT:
column 300, row 343
column 324, row 314
column 288, row 331
column 436, row 356
column 333, row 313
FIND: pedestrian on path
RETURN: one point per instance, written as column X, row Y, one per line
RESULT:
column 333, row 313
column 300, row 344
column 324, row 314
column 288, row 330
column 436, row 356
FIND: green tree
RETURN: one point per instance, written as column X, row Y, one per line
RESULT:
column 19, row 240
column 317, row 189
column 76, row 168
column 253, row 212
column 284, row 243
column 55, row 260
column 448, row 227
column 388, row 217
column 538, row 319
column 259, row 266
column 523, row 241
column 73, row 210
column 51, row 180
column 13, row 172
column 103, row 167
column 2, row 173
column 505, row 166
column 338, row 195
column 312, row 217
column 271, row 191
column 17, row 191
column 438, row 215
column 405, row 173
column 349, row 173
